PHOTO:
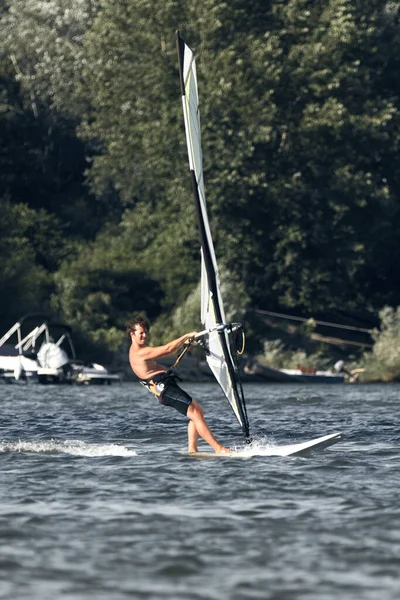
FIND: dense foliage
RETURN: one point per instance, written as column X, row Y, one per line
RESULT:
column 300, row 125
column 383, row 363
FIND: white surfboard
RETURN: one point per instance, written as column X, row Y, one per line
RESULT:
column 299, row 449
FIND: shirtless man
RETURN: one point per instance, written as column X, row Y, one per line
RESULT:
column 163, row 383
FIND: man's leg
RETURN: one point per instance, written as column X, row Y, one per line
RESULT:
column 192, row 437
column 195, row 414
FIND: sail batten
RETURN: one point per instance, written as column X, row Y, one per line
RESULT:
column 219, row 344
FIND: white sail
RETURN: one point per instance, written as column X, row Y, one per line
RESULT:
column 219, row 343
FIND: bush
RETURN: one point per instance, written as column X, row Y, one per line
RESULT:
column 383, row 363
column 276, row 355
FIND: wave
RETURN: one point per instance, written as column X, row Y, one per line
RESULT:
column 74, row 447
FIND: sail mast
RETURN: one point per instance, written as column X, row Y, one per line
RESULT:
column 220, row 345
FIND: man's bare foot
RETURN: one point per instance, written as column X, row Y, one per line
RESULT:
column 192, row 450
column 223, row 450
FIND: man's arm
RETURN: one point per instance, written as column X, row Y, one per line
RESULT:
column 149, row 352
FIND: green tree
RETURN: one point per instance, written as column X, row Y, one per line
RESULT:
column 23, row 282
column 42, row 161
column 136, row 118
column 300, row 131
column 295, row 139
column 96, row 292
column 336, row 195
column 43, row 42
column 301, row 142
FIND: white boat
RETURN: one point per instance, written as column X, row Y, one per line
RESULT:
column 39, row 357
column 93, row 373
column 16, row 364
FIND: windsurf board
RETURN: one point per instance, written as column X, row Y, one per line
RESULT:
column 299, row 449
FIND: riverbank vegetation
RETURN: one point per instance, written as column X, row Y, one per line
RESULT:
column 383, row 362
column 300, row 127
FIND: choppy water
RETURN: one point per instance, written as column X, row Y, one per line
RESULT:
column 98, row 503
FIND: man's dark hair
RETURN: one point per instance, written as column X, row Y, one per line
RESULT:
column 138, row 320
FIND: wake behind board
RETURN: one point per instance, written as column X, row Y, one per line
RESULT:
column 300, row 449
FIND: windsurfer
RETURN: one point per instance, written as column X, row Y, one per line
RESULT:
column 162, row 383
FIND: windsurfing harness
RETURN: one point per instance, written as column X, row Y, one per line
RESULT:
column 159, row 382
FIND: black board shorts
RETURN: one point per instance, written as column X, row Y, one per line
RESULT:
column 172, row 394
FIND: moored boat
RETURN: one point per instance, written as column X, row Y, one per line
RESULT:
column 41, row 357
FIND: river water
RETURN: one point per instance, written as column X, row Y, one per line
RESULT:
column 98, row 501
